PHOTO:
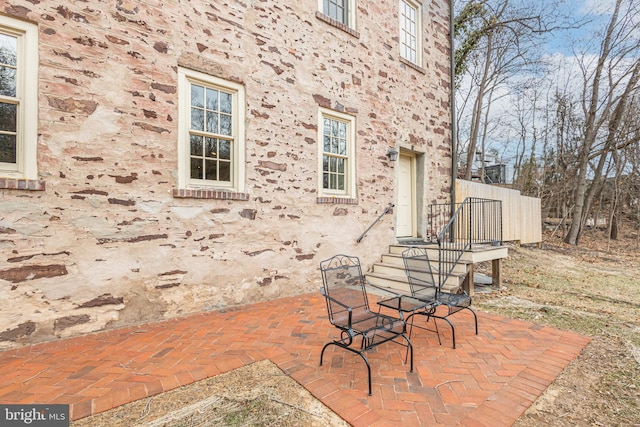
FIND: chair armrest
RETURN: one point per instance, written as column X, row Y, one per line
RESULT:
column 334, row 300
column 349, row 309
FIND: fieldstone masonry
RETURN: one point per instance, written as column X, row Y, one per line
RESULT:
column 105, row 238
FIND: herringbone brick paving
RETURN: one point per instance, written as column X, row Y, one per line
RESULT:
column 489, row 380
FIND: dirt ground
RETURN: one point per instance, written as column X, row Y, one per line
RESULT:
column 592, row 289
column 259, row 394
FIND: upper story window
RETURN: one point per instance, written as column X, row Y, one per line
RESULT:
column 336, row 136
column 211, row 132
column 339, row 11
column 18, row 98
column 411, row 31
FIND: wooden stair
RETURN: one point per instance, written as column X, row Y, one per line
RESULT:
column 389, row 271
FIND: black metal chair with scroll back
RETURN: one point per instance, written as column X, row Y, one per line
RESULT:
column 348, row 308
column 425, row 287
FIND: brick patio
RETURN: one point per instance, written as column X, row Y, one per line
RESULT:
column 489, row 380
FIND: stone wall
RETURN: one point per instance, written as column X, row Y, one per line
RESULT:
column 106, row 243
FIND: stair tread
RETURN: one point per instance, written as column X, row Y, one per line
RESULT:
column 387, row 276
column 392, row 265
column 404, row 277
column 403, row 280
column 399, row 256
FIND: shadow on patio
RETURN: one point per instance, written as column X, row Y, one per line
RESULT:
column 489, row 380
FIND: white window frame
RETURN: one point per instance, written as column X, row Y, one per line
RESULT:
column 351, row 12
column 405, row 32
column 350, row 173
column 185, row 78
column 26, row 99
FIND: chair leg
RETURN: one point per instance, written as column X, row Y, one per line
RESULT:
column 323, row 349
column 410, row 350
column 475, row 318
column 429, row 317
column 409, row 322
column 361, row 354
column 368, row 371
column 435, row 325
column 453, row 331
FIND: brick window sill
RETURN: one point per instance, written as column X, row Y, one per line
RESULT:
column 22, row 184
column 339, row 25
column 336, row 201
column 192, row 193
column 412, row 65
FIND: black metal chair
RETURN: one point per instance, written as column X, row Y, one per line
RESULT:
column 425, row 287
column 348, row 309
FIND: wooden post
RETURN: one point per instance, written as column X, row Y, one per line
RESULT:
column 496, row 272
column 468, row 283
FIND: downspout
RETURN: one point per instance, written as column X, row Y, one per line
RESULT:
column 454, row 154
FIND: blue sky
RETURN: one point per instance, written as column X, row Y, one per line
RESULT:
column 593, row 16
column 588, row 13
column 560, row 49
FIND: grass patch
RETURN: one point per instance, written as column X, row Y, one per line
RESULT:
column 596, row 295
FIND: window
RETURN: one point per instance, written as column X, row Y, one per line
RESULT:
column 410, row 31
column 336, row 136
column 342, row 11
column 211, row 132
column 337, row 9
column 18, row 98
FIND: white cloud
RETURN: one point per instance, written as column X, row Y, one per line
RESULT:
column 596, row 7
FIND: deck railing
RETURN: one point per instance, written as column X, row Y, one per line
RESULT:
column 474, row 221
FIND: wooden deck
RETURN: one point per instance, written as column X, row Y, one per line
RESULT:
column 389, row 272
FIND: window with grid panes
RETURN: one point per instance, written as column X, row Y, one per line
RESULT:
column 337, row 9
column 10, row 102
column 342, row 11
column 18, row 98
column 410, row 31
column 212, row 113
column 335, row 154
column 336, row 135
column 210, row 135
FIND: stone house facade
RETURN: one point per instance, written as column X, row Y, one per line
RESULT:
column 160, row 158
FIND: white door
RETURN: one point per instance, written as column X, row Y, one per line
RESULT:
column 406, row 196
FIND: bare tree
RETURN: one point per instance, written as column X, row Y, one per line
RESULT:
column 607, row 86
column 496, row 41
column 575, row 128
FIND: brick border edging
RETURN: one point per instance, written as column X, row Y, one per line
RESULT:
column 308, row 378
